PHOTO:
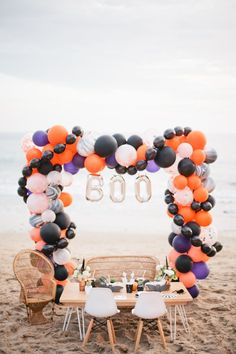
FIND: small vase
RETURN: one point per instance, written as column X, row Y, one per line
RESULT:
column 82, row 285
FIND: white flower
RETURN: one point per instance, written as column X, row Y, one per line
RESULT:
column 169, row 272
column 159, row 267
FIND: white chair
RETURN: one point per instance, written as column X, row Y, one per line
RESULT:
column 149, row 306
column 101, row 304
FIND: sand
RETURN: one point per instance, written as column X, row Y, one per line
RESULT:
column 212, row 316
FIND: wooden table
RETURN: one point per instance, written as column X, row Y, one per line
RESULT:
column 74, row 299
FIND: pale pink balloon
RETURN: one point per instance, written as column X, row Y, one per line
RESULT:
column 184, row 150
column 184, row 196
column 39, row 245
column 48, row 216
column 126, row 155
column 26, row 142
column 37, row 203
column 37, row 183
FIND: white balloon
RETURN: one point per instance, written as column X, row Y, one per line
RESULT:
column 54, row 177
column 61, row 256
column 126, row 155
column 170, row 184
column 86, row 144
column 175, row 228
column 209, row 184
column 48, row 216
column 66, row 179
column 209, row 235
column 184, row 150
column 173, row 169
column 184, row 196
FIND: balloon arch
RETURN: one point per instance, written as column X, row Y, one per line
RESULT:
column 53, row 156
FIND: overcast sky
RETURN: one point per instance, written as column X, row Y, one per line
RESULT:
column 118, row 65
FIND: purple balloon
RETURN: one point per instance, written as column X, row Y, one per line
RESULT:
column 152, row 166
column 40, row 138
column 78, row 160
column 71, row 168
column 200, row 269
column 181, row 244
column 193, row 291
column 111, row 161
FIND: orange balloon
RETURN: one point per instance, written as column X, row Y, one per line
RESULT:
column 73, row 147
column 70, row 267
column 33, row 153
column 200, row 194
column 194, row 182
column 187, row 213
column 47, row 147
column 180, row 182
column 173, row 255
column 203, row 218
column 198, row 156
column 141, row 152
column 173, row 143
column 63, row 233
column 182, row 139
column 188, row 279
column 94, row 163
column 35, row 234
column 196, row 254
column 66, row 198
column 65, row 157
column 57, row 135
column 61, row 282
column 197, row 139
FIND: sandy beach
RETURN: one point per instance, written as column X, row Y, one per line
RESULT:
column 211, row 316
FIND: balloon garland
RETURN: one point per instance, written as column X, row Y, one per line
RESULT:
column 54, row 156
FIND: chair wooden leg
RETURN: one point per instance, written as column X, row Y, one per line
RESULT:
column 113, row 332
column 138, row 336
column 110, row 333
column 88, row 332
column 159, row 324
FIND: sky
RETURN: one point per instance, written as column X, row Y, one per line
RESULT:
column 118, row 65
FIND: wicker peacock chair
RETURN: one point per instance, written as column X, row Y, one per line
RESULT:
column 35, row 274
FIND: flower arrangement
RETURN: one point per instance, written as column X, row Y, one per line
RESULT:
column 82, row 272
column 165, row 272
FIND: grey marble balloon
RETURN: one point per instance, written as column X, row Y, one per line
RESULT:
column 203, row 171
column 209, row 184
column 36, row 220
column 86, row 144
column 56, row 206
column 53, row 192
column 211, row 155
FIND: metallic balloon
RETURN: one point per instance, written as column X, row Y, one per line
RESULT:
column 94, row 192
column 143, row 197
column 120, row 196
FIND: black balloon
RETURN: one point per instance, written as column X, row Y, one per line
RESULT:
column 159, row 142
column 186, row 231
column 50, row 233
column 57, row 168
column 72, row 224
column 59, row 148
column 167, row 191
column 121, row 169
column 22, row 181
column 60, row 272
column 173, row 208
column 27, row 171
column 120, row 139
column 212, row 252
column 132, row 170
column 196, row 206
column 211, row 200
column 45, row 167
column 196, row 241
column 47, row 155
column 105, row 145
column 62, row 243
column 195, row 227
column 70, row 139
column 59, row 291
column 178, row 220
column 70, row 233
column 186, row 167
column 206, row 206
column 179, row 131
column 48, row 249
column 171, row 237
column 187, row 130
column 169, row 198
column 218, row 246
column 165, row 157
column 35, row 163
column 135, row 141
column 141, row 165
column 22, row 191
column 169, row 133
column 62, row 220
column 205, row 248
column 78, row 131
column 150, row 154
column 183, row 264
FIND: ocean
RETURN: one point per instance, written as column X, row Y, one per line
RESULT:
column 128, row 217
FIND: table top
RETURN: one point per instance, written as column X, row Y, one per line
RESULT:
column 72, row 296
